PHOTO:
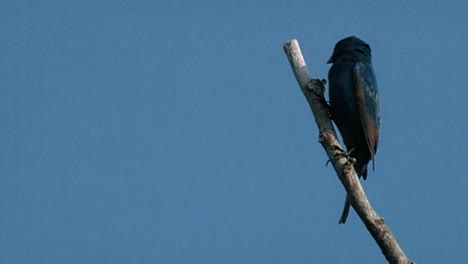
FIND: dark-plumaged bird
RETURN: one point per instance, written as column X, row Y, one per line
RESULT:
column 354, row 103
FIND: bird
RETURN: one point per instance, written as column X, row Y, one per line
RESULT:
column 354, row 104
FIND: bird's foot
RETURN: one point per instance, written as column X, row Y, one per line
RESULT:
column 342, row 154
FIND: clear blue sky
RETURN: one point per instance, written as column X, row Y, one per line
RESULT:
column 175, row 132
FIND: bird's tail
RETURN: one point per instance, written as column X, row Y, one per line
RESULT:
column 361, row 169
column 347, row 207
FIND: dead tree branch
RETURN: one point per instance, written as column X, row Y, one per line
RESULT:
column 313, row 90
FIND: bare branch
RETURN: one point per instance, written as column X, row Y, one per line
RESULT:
column 313, row 90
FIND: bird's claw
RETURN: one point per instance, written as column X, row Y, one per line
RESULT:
column 342, row 154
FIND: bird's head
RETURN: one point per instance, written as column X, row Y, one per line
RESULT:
column 351, row 48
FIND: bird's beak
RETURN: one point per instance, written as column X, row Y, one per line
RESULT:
column 330, row 60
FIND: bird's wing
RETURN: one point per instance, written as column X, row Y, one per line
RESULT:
column 367, row 99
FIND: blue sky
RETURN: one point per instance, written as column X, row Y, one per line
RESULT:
column 175, row 132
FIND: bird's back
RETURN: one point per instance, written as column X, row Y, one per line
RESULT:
column 345, row 112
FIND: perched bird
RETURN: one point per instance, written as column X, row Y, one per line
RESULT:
column 354, row 103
